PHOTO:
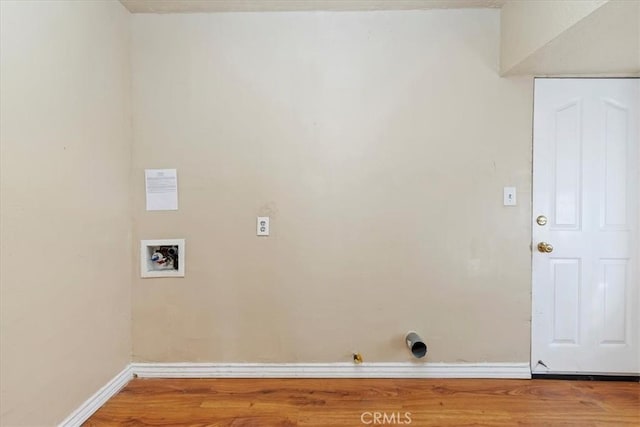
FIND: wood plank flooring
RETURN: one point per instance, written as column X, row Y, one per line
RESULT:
column 359, row 402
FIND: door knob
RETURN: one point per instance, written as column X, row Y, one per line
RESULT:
column 545, row 247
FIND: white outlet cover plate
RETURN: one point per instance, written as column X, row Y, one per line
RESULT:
column 262, row 226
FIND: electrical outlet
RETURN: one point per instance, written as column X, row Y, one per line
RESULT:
column 262, row 226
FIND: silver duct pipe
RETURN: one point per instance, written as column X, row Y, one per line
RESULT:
column 416, row 345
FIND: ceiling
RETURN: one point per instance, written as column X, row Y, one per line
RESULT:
column 196, row 6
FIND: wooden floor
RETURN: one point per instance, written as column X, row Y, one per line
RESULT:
column 357, row 402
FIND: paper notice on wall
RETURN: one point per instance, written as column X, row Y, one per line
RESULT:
column 162, row 189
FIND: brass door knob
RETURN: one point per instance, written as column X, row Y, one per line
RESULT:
column 545, row 247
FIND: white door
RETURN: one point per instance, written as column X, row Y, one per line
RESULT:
column 585, row 256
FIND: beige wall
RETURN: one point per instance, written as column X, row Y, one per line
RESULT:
column 570, row 38
column 65, row 210
column 528, row 26
column 378, row 143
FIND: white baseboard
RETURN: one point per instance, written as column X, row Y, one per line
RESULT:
column 331, row 370
column 292, row 370
column 94, row 403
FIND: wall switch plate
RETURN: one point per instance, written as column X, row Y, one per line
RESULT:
column 510, row 196
column 262, row 226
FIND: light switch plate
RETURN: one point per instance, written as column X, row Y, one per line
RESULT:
column 262, row 226
column 510, row 196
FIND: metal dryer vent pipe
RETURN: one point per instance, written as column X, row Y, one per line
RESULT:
column 416, row 345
